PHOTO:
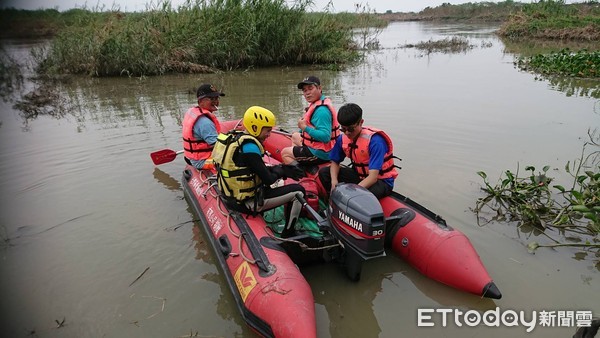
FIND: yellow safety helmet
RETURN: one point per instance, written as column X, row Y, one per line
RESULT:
column 256, row 118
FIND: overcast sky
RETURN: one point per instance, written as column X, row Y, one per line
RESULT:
column 139, row 5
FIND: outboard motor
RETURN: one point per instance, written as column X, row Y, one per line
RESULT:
column 357, row 220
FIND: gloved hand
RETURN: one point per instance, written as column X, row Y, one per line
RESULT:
column 278, row 171
column 294, row 172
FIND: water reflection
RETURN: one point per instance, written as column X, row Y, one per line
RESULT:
column 569, row 86
column 11, row 76
column 167, row 180
column 119, row 102
column 226, row 306
column 360, row 309
column 533, row 47
column 574, row 86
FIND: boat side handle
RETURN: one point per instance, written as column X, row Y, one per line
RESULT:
column 224, row 245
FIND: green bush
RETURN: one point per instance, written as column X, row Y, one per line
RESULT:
column 553, row 19
column 564, row 62
column 200, row 36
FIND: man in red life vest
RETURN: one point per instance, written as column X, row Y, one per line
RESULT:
column 318, row 127
column 370, row 151
column 201, row 127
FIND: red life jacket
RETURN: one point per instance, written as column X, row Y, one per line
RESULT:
column 335, row 132
column 193, row 148
column 358, row 153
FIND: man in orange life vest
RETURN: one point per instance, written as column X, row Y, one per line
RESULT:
column 201, row 127
column 370, row 151
column 318, row 127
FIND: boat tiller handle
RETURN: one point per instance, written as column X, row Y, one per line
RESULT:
column 320, row 220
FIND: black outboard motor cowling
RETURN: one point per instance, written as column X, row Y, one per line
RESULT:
column 357, row 221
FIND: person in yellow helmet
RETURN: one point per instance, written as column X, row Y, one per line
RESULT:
column 243, row 177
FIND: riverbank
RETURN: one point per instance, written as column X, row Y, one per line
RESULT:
column 553, row 20
column 478, row 12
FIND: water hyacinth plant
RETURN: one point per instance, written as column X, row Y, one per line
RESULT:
column 582, row 63
column 531, row 201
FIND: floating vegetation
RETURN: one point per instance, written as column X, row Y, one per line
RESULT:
column 43, row 100
column 61, row 323
column 531, row 201
column 11, row 77
column 582, row 63
column 486, row 44
column 448, row 45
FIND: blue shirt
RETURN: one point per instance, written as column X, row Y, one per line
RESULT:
column 377, row 150
column 251, row 147
column 204, row 129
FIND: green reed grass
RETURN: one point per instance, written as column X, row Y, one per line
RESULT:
column 553, row 19
column 200, row 36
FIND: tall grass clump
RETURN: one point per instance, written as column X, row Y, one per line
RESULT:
column 200, row 36
column 553, row 19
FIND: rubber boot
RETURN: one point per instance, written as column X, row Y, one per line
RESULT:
column 290, row 223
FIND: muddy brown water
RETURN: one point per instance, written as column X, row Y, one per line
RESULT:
column 84, row 211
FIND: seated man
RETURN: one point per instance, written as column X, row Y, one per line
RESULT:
column 370, row 151
column 201, row 127
column 244, row 178
column 318, row 126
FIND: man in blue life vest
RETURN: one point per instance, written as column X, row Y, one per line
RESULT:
column 201, row 127
column 243, row 177
column 318, row 127
column 370, row 151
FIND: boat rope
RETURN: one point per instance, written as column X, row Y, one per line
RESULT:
column 251, row 261
column 227, row 214
column 303, row 246
column 211, row 181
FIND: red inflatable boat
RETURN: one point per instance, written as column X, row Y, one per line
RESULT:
column 262, row 269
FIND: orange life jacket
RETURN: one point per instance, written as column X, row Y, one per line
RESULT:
column 193, row 148
column 335, row 132
column 358, row 153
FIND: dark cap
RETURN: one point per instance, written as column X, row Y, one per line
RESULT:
column 311, row 80
column 208, row 90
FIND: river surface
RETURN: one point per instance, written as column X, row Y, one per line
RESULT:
column 84, row 211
